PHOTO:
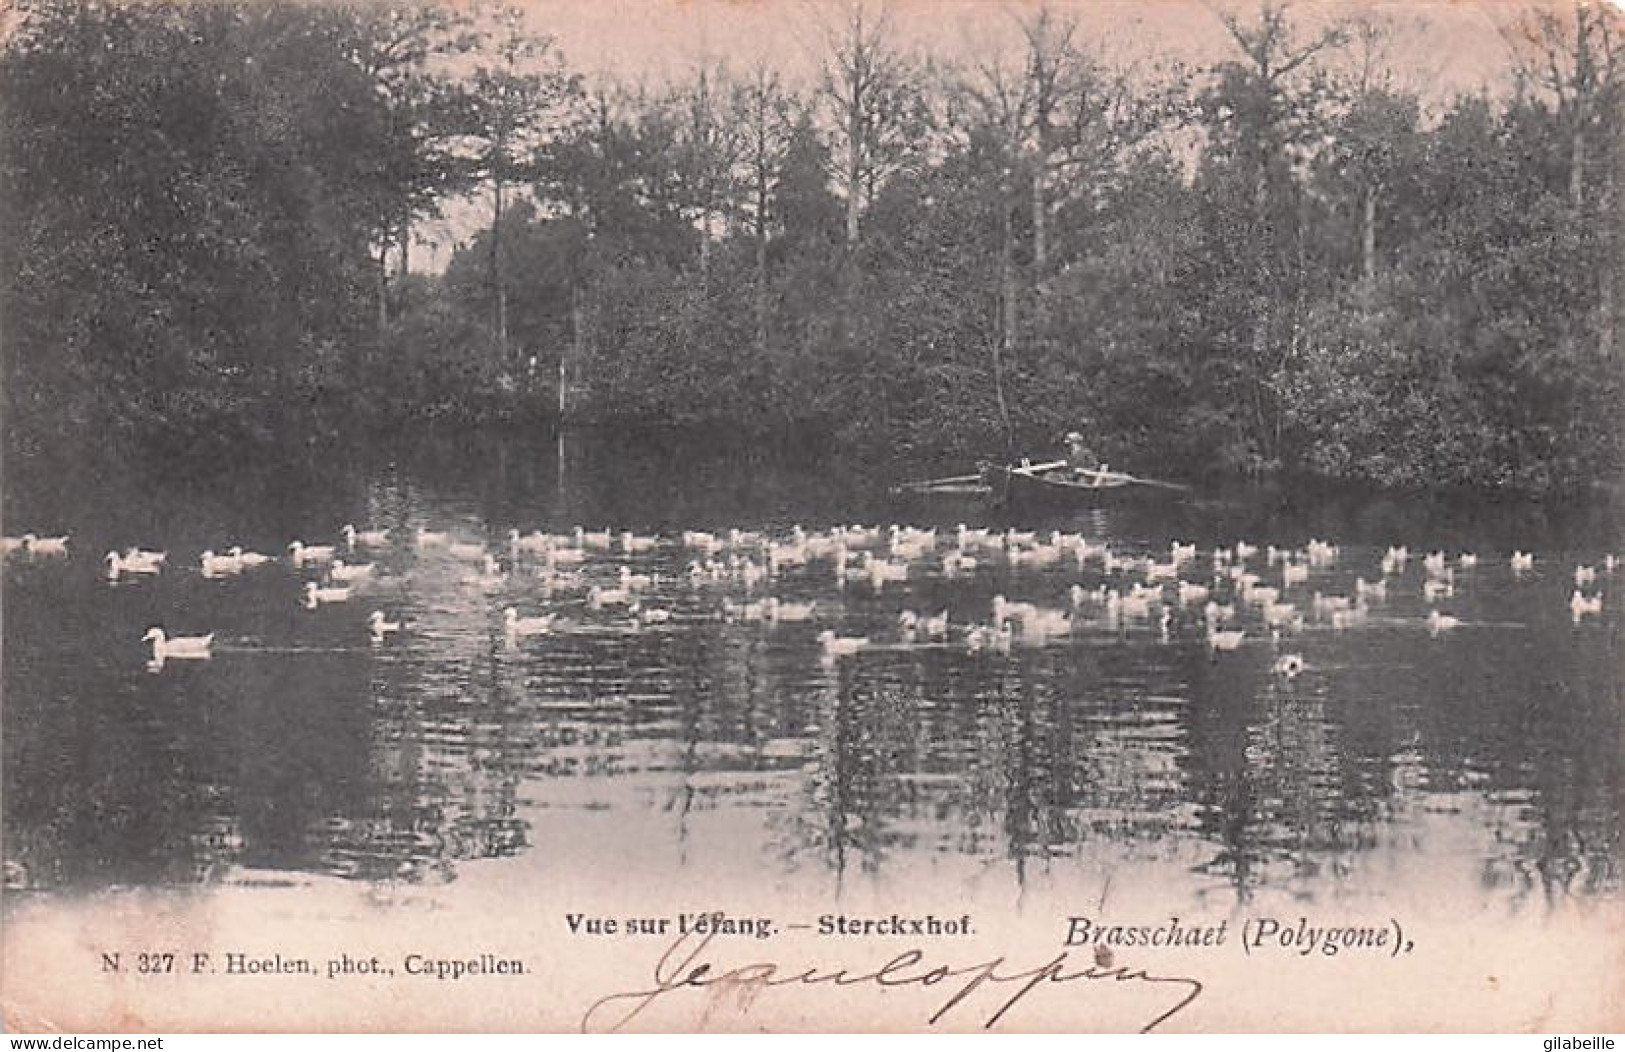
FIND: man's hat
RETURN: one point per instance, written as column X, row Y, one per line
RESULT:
column 1073, row 436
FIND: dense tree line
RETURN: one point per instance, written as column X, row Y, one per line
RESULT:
column 1282, row 263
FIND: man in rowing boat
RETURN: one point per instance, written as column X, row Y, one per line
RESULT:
column 1079, row 457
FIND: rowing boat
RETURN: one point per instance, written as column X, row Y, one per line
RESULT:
column 1053, row 482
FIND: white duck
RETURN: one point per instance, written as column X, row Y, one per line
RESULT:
column 179, row 648
column 631, row 542
column 118, row 565
column 302, row 553
column 1434, row 589
column 1192, row 594
column 1046, row 625
column 779, row 610
column 138, row 560
column 45, row 545
column 1287, row 666
column 514, row 626
column 1004, row 610
column 599, row 597
column 649, row 615
column 841, row 646
column 634, row 582
column 351, row 572
column 566, row 556
column 988, row 638
column 250, row 559
column 1439, row 623
column 600, row 540
column 380, row 627
column 535, row 542
column 354, row 538
column 316, row 595
column 219, row 565
column 1581, row 605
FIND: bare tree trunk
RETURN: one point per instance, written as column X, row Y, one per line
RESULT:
column 1612, row 278
column 705, row 246
column 1577, row 156
column 578, row 347
column 383, row 286
column 1608, row 323
column 854, row 175
column 761, row 267
column 998, row 396
column 1040, row 220
column 406, row 244
column 499, row 287
column 1368, row 238
column 1584, row 83
column 1007, row 279
column 563, row 388
column 855, row 144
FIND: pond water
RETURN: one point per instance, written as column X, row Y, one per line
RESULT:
column 302, row 745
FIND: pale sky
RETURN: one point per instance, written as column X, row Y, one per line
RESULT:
column 1440, row 48
column 1455, row 44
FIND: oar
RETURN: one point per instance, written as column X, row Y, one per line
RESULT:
column 929, row 484
column 1036, row 469
column 974, row 477
column 1143, row 482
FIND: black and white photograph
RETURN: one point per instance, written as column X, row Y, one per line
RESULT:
column 779, row 516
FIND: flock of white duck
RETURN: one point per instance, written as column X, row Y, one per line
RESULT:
column 1226, row 597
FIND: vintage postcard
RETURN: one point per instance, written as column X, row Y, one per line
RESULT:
column 758, row 515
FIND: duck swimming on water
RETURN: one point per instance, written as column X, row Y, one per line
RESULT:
column 380, row 627
column 214, row 565
column 1287, row 666
column 45, row 545
column 1438, row 623
column 841, row 646
column 343, row 571
column 515, row 626
column 302, row 553
column 316, row 595
column 1581, row 605
column 354, row 538
column 180, row 648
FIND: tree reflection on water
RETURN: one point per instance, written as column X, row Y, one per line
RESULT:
column 303, row 748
